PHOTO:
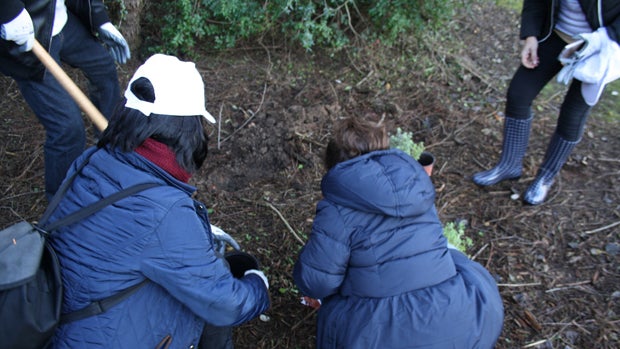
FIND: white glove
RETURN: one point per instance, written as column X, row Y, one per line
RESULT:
column 259, row 273
column 569, row 53
column 115, row 41
column 566, row 74
column 221, row 239
column 20, row 30
column 592, row 43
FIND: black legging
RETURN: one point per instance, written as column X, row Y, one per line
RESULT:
column 527, row 83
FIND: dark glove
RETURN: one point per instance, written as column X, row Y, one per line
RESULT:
column 116, row 43
column 240, row 262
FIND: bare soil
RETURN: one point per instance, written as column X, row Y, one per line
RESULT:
column 556, row 264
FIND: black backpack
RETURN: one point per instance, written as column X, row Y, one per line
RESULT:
column 30, row 283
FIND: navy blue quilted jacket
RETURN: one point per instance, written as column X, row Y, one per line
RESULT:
column 161, row 234
column 378, row 260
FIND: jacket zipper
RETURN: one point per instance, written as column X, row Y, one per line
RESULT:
column 551, row 23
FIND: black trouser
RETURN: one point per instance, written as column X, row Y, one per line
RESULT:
column 527, row 83
column 216, row 338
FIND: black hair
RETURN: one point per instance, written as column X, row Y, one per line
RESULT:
column 184, row 135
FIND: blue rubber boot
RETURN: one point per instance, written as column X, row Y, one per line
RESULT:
column 516, row 137
column 557, row 153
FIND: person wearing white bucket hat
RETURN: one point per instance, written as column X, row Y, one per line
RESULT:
column 550, row 29
column 162, row 235
column 165, row 73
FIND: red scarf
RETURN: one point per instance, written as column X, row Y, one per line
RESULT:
column 162, row 156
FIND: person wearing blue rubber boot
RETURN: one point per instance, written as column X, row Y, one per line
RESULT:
column 567, row 38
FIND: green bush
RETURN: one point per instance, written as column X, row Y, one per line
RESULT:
column 183, row 23
column 455, row 233
column 310, row 23
column 404, row 141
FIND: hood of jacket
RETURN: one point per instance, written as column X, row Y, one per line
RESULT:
column 387, row 182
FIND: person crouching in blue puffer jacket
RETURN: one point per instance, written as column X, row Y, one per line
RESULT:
column 161, row 234
column 378, row 260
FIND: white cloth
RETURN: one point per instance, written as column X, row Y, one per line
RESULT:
column 60, row 17
column 599, row 69
column 596, row 64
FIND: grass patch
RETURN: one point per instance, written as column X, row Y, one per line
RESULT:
column 510, row 4
column 608, row 106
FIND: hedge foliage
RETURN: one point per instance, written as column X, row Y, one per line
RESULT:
column 309, row 23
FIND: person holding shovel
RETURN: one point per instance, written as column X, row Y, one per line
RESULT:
column 76, row 32
column 573, row 39
column 192, row 296
column 378, row 260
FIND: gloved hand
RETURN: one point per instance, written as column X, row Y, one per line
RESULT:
column 569, row 53
column 20, row 30
column 239, row 262
column 592, row 43
column 566, row 74
column 115, row 41
column 221, row 239
column 259, row 273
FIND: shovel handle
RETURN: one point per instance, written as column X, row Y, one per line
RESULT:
column 74, row 91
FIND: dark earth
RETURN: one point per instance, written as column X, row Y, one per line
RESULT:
column 556, row 264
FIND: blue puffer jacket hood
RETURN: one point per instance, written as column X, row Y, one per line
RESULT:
column 376, row 222
column 385, row 182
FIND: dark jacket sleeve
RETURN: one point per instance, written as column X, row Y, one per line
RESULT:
column 9, row 9
column 610, row 12
column 611, row 16
column 535, row 18
column 91, row 13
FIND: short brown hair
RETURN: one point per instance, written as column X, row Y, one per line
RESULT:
column 354, row 137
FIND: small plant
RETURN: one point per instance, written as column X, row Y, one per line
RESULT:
column 404, row 141
column 455, row 233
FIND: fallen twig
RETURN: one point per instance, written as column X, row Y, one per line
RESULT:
column 520, row 285
column 534, row 344
column 601, row 228
column 285, row 222
column 219, row 126
column 542, row 341
column 304, row 319
column 365, row 78
column 490, row 257
column 479, row 251
column 251, row 117
column 568, row 286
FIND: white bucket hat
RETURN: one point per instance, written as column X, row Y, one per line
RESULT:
column 179, row 89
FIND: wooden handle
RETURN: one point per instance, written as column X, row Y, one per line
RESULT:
column 65, row 81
